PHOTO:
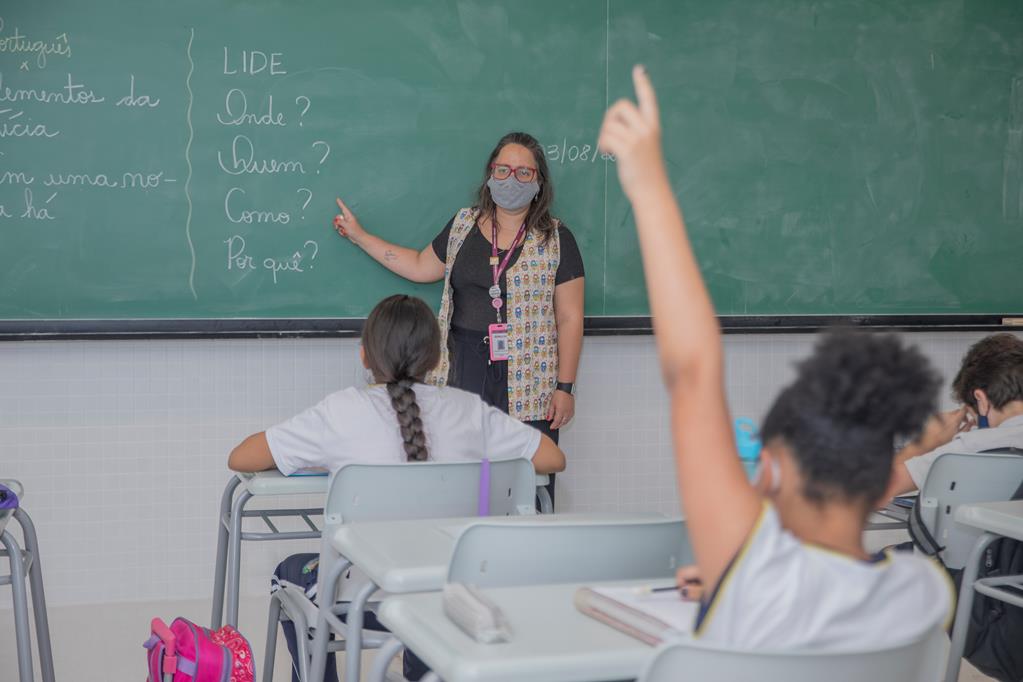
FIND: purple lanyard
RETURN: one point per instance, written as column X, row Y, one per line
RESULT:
column 498, row 270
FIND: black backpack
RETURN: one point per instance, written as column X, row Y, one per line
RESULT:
column 994, row 641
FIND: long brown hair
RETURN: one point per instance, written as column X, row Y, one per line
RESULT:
column 539, row 216
column 401, row 341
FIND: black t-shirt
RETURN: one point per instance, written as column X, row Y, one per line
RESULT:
column 471, row 276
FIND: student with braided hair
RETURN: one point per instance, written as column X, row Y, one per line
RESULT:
column 398, row 418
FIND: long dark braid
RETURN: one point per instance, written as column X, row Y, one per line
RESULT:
column 401, row 341
column 403, row 399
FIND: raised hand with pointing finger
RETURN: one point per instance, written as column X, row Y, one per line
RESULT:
column 346, row 224
column 418, row 266
column 632, row 132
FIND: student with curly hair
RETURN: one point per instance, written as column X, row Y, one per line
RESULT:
column 989, row 388
column 782, row 564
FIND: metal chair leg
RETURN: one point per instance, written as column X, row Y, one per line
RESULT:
column 544, row 498
column 391, row 648
column 35, row 579
column 326, row 597
column 966, row 592
column 234, row 558
column 353, row 643
column 21, row 627
column 272, row 623
column 223, row 535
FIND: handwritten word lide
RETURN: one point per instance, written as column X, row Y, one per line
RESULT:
column 252, row 62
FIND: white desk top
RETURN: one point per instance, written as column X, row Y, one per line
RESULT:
column 274, row 482
column 412, row 556
column 551, row 641
column 1003, row 518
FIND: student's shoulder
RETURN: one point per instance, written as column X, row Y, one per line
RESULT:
column 922, row 580
column 452, row 397
column 979, row 440
column 348, row 400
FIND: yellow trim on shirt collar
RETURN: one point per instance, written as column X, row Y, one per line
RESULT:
column 724, row 581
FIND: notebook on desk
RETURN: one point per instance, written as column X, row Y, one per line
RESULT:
column 652, row 618
column 312, row 471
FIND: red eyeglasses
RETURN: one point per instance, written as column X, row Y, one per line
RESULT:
column 500, row 171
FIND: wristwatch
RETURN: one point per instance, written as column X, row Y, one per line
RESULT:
column 565, row 386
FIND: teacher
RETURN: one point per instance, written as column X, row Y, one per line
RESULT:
column 511, row 315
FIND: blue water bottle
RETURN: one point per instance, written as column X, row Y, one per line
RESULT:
column 747, row 441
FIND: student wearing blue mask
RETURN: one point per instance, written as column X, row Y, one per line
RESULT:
column 511, row 314
column 989, row 386
column 782, row 564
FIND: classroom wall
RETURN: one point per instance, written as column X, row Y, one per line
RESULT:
column 122, row 444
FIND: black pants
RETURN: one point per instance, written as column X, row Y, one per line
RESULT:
column 302, row 570
column 472, row 370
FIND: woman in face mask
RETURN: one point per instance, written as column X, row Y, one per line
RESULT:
column 511, row 315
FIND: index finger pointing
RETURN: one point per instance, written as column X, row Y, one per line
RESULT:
column 645, row 96
column 341, row 205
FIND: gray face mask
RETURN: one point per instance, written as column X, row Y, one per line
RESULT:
column 510, row 194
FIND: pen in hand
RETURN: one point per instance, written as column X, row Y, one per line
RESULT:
column 684, row 589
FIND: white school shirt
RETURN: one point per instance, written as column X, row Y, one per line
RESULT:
column 1008, row 434
column 359, row 425
column 780, row 593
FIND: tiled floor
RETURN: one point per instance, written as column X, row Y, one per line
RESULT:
column 87, row 652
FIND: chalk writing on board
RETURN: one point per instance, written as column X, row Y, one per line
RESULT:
column 72, row 93
column 31, row 208
column 303, row 102
column 16, row 42
column 236, row 214
column 134, row 100
column 321, row 147
column 128, row 180
column 236, row 111
column 12, row 124
column 574, row 153
column 253, row 62
column 188, row 162
column 297, row 262
column 242, row 160
column 16, row 178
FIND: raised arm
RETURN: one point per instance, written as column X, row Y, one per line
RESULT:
column 720, row 505
column 418, row 266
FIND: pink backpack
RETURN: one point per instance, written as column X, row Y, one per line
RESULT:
column 186, row 652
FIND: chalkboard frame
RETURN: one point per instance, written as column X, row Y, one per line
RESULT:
column 71, row 330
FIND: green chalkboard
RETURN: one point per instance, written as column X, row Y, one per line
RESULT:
column 180, row 160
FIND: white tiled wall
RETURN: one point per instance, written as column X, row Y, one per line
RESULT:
column 122, row 444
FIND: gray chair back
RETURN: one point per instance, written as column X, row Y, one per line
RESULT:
column 424, row 490
column 919, row 661
column 538, row 551
column 957, row 479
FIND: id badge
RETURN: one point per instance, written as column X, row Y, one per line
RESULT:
column 498, row 335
